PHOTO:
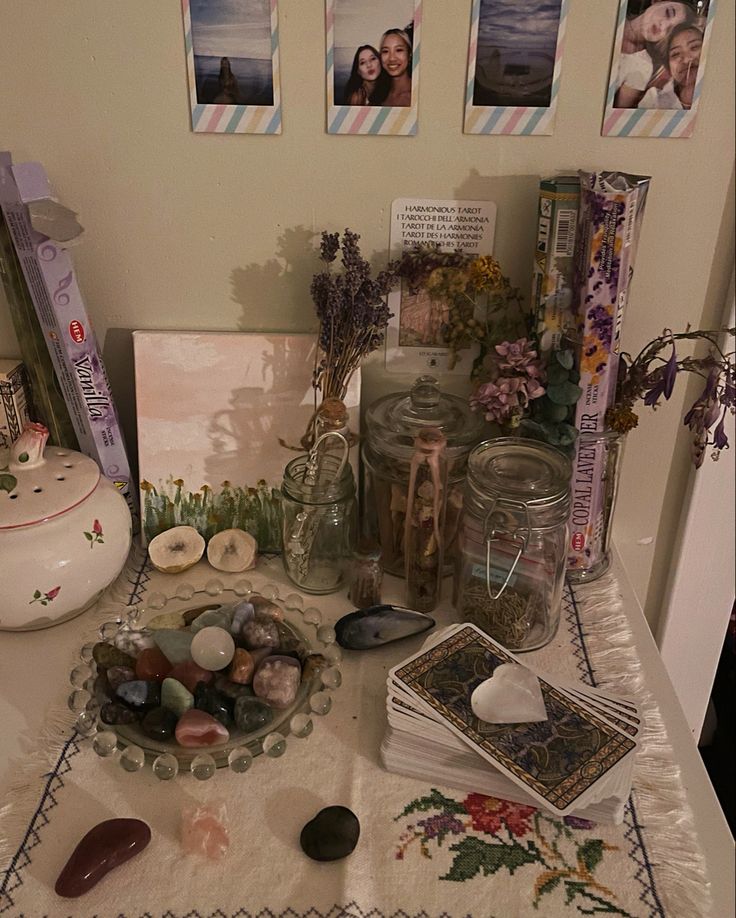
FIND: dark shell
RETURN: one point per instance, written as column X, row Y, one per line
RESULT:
column 331, row 835
column 378, row 625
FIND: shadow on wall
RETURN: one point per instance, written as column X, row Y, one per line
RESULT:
column 275, row 294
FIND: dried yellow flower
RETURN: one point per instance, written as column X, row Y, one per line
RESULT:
column 485, row 273
column 621, row 419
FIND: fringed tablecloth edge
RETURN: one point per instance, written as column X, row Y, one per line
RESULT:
column 664, row 812
column 44, row 749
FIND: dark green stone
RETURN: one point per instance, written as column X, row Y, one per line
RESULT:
column 252, row 714
column 108, row 655
column 233, row 690
column 159, row 724
column 209, row 700
column 112, row 713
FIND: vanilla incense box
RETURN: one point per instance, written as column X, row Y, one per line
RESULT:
column 609, row 222
column 15, row 401
column 557, row 214
column 52, row 284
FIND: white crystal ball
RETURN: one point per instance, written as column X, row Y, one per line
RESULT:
column 212, row 648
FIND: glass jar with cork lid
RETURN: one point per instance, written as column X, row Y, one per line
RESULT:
column 393, row 423
column 513, row 541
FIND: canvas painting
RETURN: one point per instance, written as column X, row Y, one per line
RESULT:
column 219, row 416
column 657, row 68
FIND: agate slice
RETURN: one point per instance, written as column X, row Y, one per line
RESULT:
column 108, row 845
column 378, row 625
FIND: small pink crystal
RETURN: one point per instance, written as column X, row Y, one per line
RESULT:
column 204, row 830
column 196, row 728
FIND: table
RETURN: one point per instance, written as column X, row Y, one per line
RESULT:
column 51, row 811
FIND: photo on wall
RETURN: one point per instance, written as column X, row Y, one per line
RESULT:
column 372, row 66
column 233, row 65
column 657, row 67
column 514, row 63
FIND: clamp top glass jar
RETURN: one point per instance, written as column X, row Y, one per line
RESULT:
column 513, row 541
column 392, row 424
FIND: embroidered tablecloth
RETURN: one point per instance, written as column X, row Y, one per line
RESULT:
column 424, row 850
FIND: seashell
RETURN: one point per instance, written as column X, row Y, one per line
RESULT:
column 378, row 625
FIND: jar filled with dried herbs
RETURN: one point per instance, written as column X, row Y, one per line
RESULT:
column 513, row 541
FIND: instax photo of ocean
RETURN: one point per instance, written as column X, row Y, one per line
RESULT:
column 517, row 40
column 231, row 41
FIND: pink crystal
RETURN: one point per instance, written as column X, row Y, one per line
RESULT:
column 196, row 728
column 204, row 830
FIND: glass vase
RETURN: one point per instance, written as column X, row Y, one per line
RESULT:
column 596, row 473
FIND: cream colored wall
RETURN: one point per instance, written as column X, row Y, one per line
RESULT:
column 216, row 232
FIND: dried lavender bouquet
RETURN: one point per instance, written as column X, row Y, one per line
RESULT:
column 352, row 311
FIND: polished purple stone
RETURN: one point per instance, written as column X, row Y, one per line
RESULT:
column 104, row 847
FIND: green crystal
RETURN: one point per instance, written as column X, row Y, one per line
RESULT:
column 174, row 645
column 176, row 697
column 108, row 655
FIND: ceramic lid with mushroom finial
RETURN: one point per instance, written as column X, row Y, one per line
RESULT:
column 395, row 420
column 39, row 484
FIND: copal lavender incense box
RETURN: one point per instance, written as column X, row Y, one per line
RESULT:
column 52, row 283
column 609, row 221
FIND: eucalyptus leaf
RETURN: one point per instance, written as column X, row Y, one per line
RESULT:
column 565, row 358
column 566, row 393
column 556, row 374
column 550, row 411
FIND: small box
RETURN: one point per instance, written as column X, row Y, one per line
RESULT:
column 553, row 288
column 15, row 401
column 51, row 281
column 609, row 222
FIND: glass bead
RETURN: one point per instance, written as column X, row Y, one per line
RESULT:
column 184, row 591
column 203, row 766
column 105, row 743
column 156, row 601
column 79, row 675
column 212, row 648
column 108, row 630
column 85, row 654
column 312, row 616
column 331, row 677
column 270, row 592
column 301, row 725
column 326, row 634
column 293, row 601
column 243, row 588
column 78, row 700
column 135, row 613
column 86, row 723
column 214, row 587
column 240, row 760
column 274, row 745
column 332, row 653
column 132, row 758
column 320, row 702
column 165, row 766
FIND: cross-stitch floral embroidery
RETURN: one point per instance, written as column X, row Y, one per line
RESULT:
column 490, row 835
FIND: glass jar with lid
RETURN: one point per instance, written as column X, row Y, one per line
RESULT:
column 513, row 541
column 392, row 425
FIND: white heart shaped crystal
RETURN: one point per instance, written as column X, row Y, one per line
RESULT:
column 511, row 696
